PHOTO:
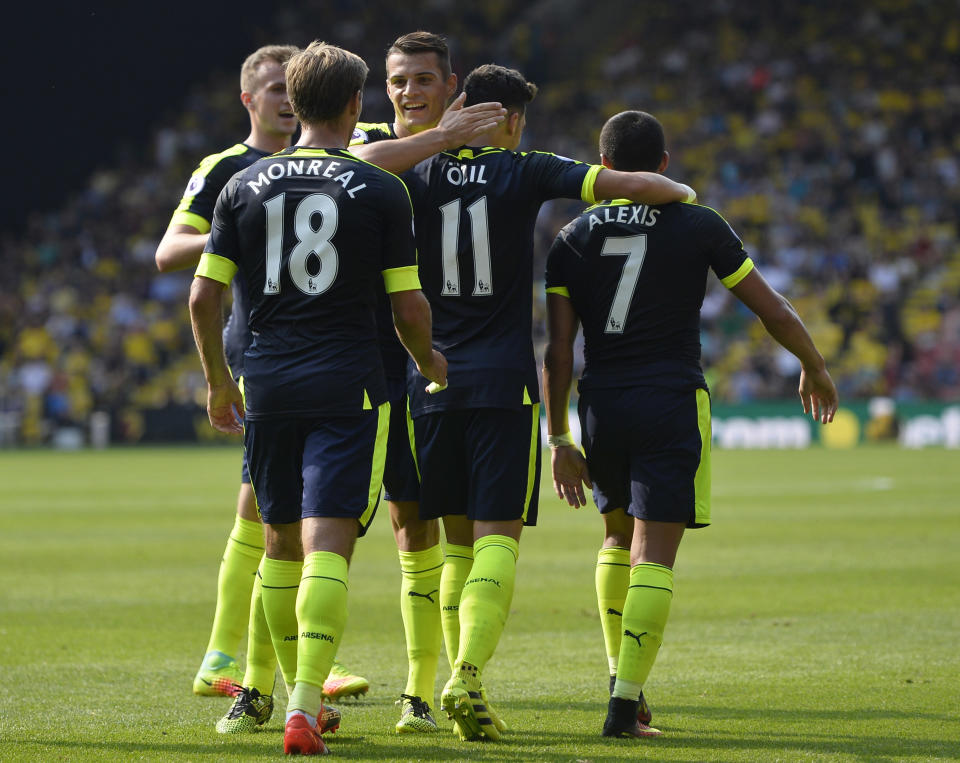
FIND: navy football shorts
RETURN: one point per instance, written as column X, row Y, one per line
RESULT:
column 318, row 466
column 401, row 482
column 244, row 469
column 481, row 462
column 648, row 452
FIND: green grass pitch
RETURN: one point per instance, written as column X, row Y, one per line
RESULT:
column 817, row 619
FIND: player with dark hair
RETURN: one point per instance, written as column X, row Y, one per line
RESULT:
column 478, row 440
column 311, row 230
column 635, row 276
column 420, row 85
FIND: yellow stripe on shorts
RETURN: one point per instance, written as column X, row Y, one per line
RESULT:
column 701, row 482
column 379, row 459
column 534, row 452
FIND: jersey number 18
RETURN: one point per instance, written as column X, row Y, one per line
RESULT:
column 310, row 241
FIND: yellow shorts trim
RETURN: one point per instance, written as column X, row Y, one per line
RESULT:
column 534, row 452
column 379, row 459
column 701, row 481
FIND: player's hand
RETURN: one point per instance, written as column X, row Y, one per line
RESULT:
column 225, row 407
column 818, row 394
column 461, row 125
column 435, row 370
column 570, row 474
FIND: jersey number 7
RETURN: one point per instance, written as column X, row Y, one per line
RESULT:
column 310, row 241
column 635, row 247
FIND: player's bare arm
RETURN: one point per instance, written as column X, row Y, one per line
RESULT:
column 567, row 462
column 457, row 126
column 413, row 322
column 642, row 187
column 180, row 248
column 223, row 395
column 817, row 391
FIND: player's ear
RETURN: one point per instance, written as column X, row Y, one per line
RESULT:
column 606, row 162
column 451, row 85
column 664, row 162
column 246, row 99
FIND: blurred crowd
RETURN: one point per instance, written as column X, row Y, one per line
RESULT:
column 824, row 132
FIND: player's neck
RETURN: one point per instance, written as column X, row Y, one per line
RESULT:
column 403, row 132
column 267, row 142
column 492, row 138
column 324, row 136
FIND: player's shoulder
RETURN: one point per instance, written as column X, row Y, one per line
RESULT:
column 700, row 216
column 236, row 157
column 371, row 132
column 545, row 156
column 216, row 169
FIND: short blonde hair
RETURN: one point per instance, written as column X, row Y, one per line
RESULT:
column 322, row 79
column 249, row 78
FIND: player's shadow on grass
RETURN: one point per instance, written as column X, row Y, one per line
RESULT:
column 882, row 741
column 793, row 714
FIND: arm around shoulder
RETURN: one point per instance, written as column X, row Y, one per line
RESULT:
column 642, row 187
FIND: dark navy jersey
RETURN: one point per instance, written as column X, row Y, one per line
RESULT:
column 315, row 233
column 394, row 354
column 196, row 210
column 636, row 277
column 475, row 214
column 371, row 132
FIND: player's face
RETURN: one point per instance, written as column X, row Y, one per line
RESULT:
column 418, row 90
column 269, row 102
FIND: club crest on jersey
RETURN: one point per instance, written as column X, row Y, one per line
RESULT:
column 195, row 185
column 358, row 135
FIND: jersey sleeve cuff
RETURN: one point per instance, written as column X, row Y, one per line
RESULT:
column 563, row 291
column 737, row 276
column 586, row 190
column 216, row 268
column 191, row 219
column 401, row 279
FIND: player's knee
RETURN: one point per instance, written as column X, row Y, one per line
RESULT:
column 411, row 532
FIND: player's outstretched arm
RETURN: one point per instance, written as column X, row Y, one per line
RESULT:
column 224, row 401
column 567, row 462
column 413, row 322
column 817, row 391
column 180, row 247
column 642, row 187
column 457, row 126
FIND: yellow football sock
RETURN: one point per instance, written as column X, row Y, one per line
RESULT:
column 280, row 584
column 306, row 698
column 321, row 615
column 234, row 584
column 456, row 567
column 420, row 609
column 645, row 615
column 486, row 598
column 261, row 670
column 612, row 580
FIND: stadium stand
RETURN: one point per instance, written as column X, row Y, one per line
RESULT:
column 824, row 132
